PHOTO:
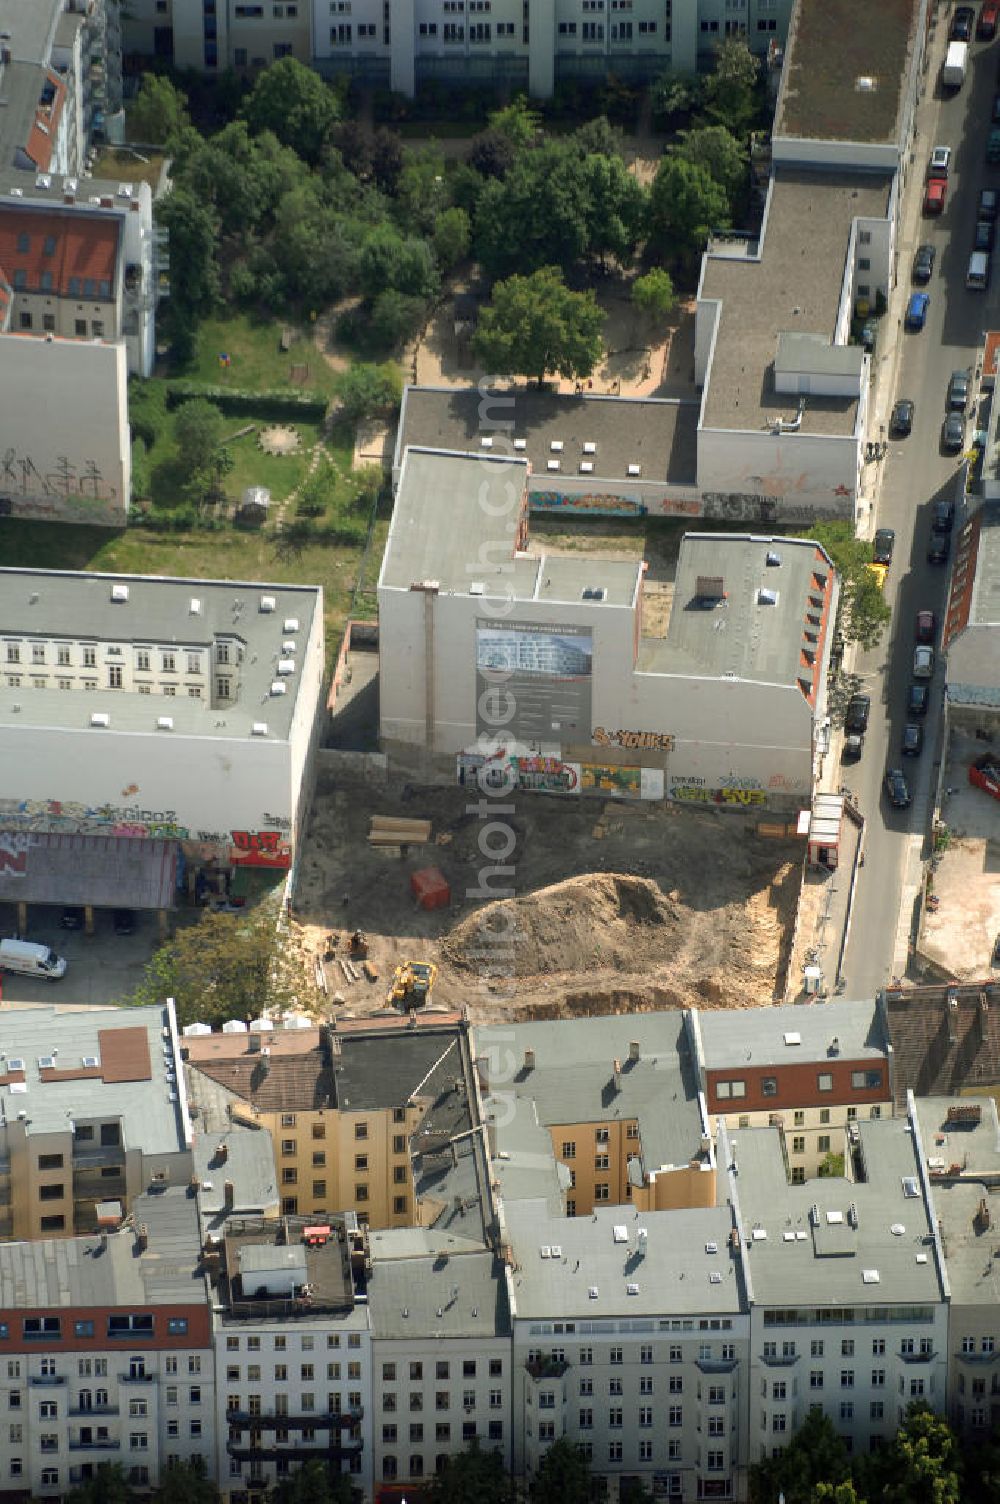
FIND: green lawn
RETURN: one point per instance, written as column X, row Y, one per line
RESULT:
column 123, row 164
column 255, row 356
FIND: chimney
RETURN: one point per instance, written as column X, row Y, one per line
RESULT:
column 616, row 1074
column 529, row 1060
column 229, row 1195
column 221, row 1152
column 253, row 1044
column 633, row 1050
column 141, row 1237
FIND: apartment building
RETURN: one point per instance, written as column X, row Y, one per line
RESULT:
column 960, row 1137
column 221, row 677
column 90, row 1116
column 612, row 1105
column 441, row 1354
column 631, row 1338
column 217, row 34
column 847, row 1285
column 107, row 1353
column 360, row 1117
column 812, row 1073
column 292, row 1349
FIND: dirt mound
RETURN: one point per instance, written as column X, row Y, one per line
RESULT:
column 597, row 920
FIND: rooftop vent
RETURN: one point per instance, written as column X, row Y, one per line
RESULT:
column 773, row 560
column 759, row 1234
column 834, row 1218
column 90, row 1062
column 594, row 593
column 70, row 184
column 259, row 728
column 897, row 1229
column 557, row 1250
column 43, row 180
column 288, row 647
column 767, row 597
column 711, row 1247
column 715, row 1278
column 46, row 1063
column 586, row 467
column 635, row 470
column 593, row 1292
column 286, row 666
column 710, row 587
column 487, row 441
column 545, row 1251
column 100, row 718
column 15, row 1063
column 119, row 593
column 277, row 688
column 911, row 1189
column 520, row 445
column 870, row 1276
column 124, row 190
column 477, row 587
column 552, row 464
column 793, row 1037
column 556, row 446
column 267, row 603
column 619, row 1233
column 921, row 1258
column 194, row 606
column 291, row 624
column 164, row 723
column 631, row 1289
column 866, row 84
column 589, row 447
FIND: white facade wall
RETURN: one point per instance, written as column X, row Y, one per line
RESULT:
column 278, row 1370
column 804, row 475
column 66, row 455
column 665, row 1398
column 432, row 1396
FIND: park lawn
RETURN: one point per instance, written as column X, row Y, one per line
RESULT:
column 256, row 359
column 230, row 554
column 281, row 474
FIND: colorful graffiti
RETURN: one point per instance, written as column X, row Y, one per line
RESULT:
column 591, row 503
column 268, row 847
column 260, row 848
column 624, row 782
column 696, row 793
column 14, row 854
column 652, row 741
column 539, row 775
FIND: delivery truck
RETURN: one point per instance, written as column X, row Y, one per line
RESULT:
column 956, row 63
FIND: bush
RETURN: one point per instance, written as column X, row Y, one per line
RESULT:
column 140, row 469
column 236, row 401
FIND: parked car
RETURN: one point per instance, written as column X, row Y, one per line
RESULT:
column 901, row 422
column 926, row 626
column 962, row 23
column 917, row 697
column 939, row 163
column 943, row 518
column 987, row 205
column 916, row 311
column 854, row 745
column 858, row 711
column 72, row 917
column 953, row 433
column 923, row 662
column 986, row 26
column 869, row 334
column 985, row 235
column 958, row 391
column 896, row 789
column 123, row 921
column 938, row 548
column 882, row 546
column 935, row 195
column 923, row 263
column 912, row 741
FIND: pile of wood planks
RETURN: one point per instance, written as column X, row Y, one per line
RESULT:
column 393, row 830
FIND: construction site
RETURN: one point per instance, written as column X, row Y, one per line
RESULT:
column 532, row 906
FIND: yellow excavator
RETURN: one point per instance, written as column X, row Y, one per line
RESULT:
column 412, row 984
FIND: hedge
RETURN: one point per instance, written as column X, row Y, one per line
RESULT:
column 237, row 400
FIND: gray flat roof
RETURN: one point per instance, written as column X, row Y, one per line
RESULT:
column 985, row 607
column 571, row 1079
column 795, row 287
column 817, row 354
column 454, row 523
column 760, row 1033
column 833, row 43
column 248, row 1166
column 975, row 1146
column 658, row 434
column 104, row 871
column 61, row 1272
column 743, row 636
column 562, row 1260
column 150, row 1120
column 827, row 1266
column 447, row 1295
column 22, row 83
column 31, row 26
column 78, row 607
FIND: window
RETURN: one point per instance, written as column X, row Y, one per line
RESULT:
column 824, row 1116
column 823, row 1143
column 601, row 1162
column 360, row 1130
column 319, row 1190
column 799, row 1144
column 986, row 1345
column 615, row 1355
column 779, row 1421
column 727, row 1089
column 614, row 1386
column 645, row 1384
column 824, row 1081
column 847, row 1348
column 847, row 1378
column 878, row 1378
column 675, row 1415
column 602, row 1192
column 675, row 1384
column 816, row 1378
column 877, row 1409
column 847, row 1409
column 41, row 1328
column 769, row 1086
column 614, row 1451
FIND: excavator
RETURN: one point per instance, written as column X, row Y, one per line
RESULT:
column 412, row 984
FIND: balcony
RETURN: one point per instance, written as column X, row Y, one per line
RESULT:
column 779, row 1360
column 135, row 1378
column 243, row 1420
column 983, row 1358
column 103, row 1444
column 303, row 1453
column 76, row 1412
column 918, row 1357
column 726, row 1365
column 45, row 1380
column 546, row 1367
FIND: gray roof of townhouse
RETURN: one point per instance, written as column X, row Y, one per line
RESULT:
column 791, row 1033
column 599, row 1266
column 247, row 1164
column 130, row 1079
column 757, row 630
column 985, row 605
column 974, row 1145
column 439, row 1295
column 608, row 433
column 571, row 1079
column 794, row 284
column 453, row 523
column 79, row 1272
column 160, row 611
column 31, row 27
column 835, row 1242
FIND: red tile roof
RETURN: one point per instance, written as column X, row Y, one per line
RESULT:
column 44, row 127
column 76, row 252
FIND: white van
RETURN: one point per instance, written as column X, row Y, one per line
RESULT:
column 31, row 960
column 978, row 275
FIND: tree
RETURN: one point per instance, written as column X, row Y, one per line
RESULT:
column 193, row 230
column 198, row 431
column 365, row 390
column 315, row 1482
column 492, row 154
column 864, row 611
column 685, row 204
column 471, row 1477
column 616, row 206
column 390, row 261
column 563, row 1477
column 227, row 966
column 538, row 216
column 598, row 137
column 836, row 1493
column 831, row 1166
column 421, row 192
column 452, row 234
column 158, row 114
column 536, row 324
column 186, row 1483
column 107, row 1486
column 517, row 121
column 815, row 1455
column 294, row 103
column 395, row 317
column 316, row 248
column 924, row 1463
column 729, row 89
column 674, row 94
column 654, row 294
column 717, row 150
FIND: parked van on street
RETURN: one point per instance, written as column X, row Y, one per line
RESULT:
column 31, row 960
column 978, row 275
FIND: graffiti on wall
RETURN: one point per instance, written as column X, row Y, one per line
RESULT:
column 14, row 853
column 591, row 503
column 650, row 741
column 539, row 775
column 625, row 783
column 696, row 793
column 267, row 847
column 260, row 848
column 20, row 476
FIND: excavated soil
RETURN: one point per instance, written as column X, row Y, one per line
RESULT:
column 615, row 908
